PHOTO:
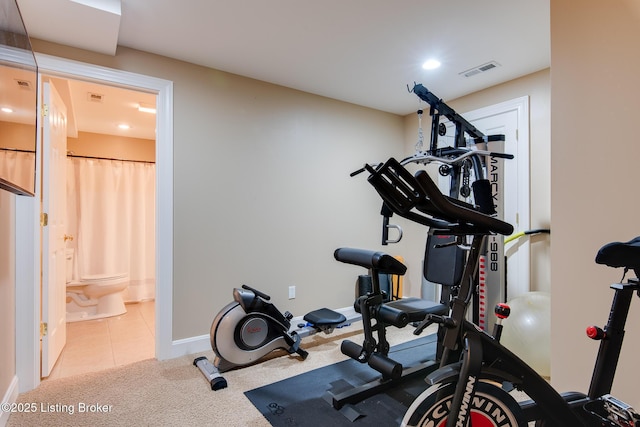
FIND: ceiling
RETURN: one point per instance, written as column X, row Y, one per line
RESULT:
column 364, row 52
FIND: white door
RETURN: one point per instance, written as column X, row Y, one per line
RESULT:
column 515, row 187
column 54, row 202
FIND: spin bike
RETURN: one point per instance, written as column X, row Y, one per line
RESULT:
column 246, row 330
column 470, row 386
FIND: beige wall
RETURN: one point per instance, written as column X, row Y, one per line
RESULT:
column 7, row 290
column 236, row 130
column 17, row 135
column 536, row 87
column 595, row 151
column 111, row 146
column 262, row 193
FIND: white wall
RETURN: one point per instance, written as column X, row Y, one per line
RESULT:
column 595, row 152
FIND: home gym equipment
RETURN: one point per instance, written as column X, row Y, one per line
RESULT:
column 396, row 187
column 249, row 328
column 475, row 367
column 443, row 265
column 377, row 314
column 476, row 176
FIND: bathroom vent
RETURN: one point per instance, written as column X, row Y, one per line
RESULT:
column 23, row 84
column 95, row 97
column 480, row 69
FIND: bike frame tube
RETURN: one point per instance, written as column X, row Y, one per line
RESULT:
column 498, row 362
column 610, row 347
column 453, row 335
column 467, row 381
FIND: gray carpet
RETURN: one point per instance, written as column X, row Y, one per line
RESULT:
column 174, row 392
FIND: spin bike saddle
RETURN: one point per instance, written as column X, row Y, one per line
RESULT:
column 618, row 254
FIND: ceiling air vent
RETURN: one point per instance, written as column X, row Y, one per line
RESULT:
column 23, row 84
column 480, row 69
column 95, row 97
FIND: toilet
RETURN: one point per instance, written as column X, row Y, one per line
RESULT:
column 94, row 296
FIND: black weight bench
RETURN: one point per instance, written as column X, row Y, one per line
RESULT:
column 396, row 313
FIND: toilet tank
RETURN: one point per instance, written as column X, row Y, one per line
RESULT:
column 69, row 260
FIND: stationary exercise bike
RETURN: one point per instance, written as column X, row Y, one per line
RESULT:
column 485, row 362
column 246, row 330
column 476, row 371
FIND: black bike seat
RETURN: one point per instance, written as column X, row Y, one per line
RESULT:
column 619, row 254
column 325, row 317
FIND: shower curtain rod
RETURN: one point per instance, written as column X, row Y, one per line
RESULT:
column 17, row 150
column 109, row 158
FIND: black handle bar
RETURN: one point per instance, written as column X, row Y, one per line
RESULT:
column 257, row 292
column 419, row 199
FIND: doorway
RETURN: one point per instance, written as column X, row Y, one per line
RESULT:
column 109, row 230
column 28, row 301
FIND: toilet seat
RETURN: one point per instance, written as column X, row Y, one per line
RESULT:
column 94, row 296
column 97, row 279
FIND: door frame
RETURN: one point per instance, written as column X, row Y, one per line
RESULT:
column 28, row 234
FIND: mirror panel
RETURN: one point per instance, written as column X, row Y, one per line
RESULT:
column 18, row 103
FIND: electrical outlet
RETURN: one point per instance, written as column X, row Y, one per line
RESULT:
column 292, row 292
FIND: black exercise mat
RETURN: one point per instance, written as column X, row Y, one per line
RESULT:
column 299, row 401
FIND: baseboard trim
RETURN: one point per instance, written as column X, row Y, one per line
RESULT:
column 191, row 345
column 10, row 396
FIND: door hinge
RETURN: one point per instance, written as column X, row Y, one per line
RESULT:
column 45, row 110
column 43, row 329
column 44, row 219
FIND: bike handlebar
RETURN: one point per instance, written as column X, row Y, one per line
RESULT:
column 419, row 199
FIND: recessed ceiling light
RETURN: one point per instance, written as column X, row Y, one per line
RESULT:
column 124, row 126
column 431, row 64
column 7, row 110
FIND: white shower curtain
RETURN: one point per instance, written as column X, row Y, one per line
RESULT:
column 111, row 215
column 18, row 167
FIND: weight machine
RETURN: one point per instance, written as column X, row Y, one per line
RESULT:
column 474, row 166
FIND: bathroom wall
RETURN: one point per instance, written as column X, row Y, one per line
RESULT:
column 16, row 135
column 112, row 146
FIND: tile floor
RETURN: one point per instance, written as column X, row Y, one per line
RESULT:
column 95, row 345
